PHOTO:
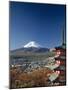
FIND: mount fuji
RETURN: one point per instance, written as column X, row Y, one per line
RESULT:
column 31, row 47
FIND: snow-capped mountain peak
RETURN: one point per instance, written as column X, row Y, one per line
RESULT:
column 31, row 44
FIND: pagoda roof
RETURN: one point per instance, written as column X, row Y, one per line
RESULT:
column 61, row 58
column 63, row 46
column 61, row 68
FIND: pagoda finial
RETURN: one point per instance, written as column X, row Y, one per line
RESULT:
column 63, row 37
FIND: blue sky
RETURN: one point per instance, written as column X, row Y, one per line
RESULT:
column 42, row 23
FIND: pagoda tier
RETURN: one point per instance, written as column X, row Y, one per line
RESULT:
column 62, row 58
column 61, row 80
column 60, row 52
column 60, row 68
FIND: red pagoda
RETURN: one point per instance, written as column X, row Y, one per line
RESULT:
column 61, row 60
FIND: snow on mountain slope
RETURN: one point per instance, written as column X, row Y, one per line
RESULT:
column 31, row 44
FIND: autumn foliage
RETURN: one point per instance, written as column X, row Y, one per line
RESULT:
column 35, row 78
